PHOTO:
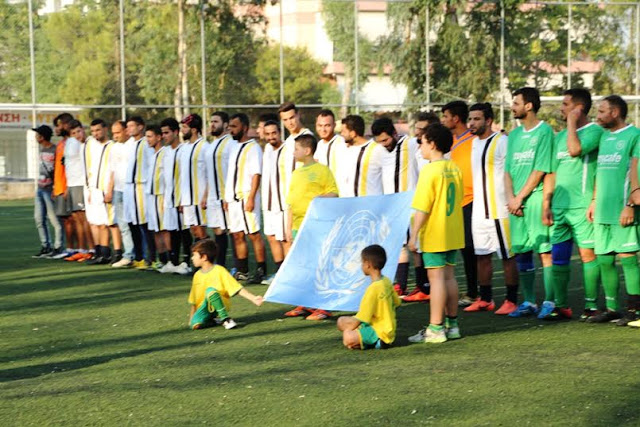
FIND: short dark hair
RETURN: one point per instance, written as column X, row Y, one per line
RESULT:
column 457, row 108
column 122, row 123
column 194, row 121
column 74, row 124
column 137, row 119
column 206, row 247
column 272, row 123
column 485, row 107
column 529, row 95
column 97, row 122
column 307, row 141
column 616, row 101
column 244, row 119
column 383, row 124
column 427, row 116
column 355, row 123
column 580, row 96
column 171, row 123
column 155, row 129
column 265, row 117
column 327, row 113
column 62, row 117
column 223, row 115
column 287, row 106
column 440, row 135
column 376, row 255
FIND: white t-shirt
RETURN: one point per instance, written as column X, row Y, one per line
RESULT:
column 98, row 163
column 328, row 152
column 273, row 179
column 118, row 165
column 216, row 159
column 245, row 161
column 74, row 163
column 400, row 167
column 487, row 165
column 192, row 172
column 155, row 179
column 139, row 157
column 171, row 174
column 360, row 170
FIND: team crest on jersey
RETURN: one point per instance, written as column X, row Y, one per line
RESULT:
column 534, row 141
column 619, row 145
column 340, row 253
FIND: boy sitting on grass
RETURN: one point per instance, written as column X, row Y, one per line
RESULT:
column 439, row 229
column 311, row 180
column 374, row 326
column 212, row 289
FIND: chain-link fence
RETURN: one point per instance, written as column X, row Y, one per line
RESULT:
column 116, row 58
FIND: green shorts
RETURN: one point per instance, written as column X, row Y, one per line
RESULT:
column 203, row 316
column 369, row 339
column 615, row 238
column 572, row 224
column 438, row 259
column 528, row 233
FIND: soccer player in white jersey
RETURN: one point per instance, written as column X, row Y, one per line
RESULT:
column 216, row 158
column 154, row 189
column 193, row 182
column 262, row 119
column 360, row 165
column 290, row 118
column 180, row 235
column 423, row 119
column 399, row 174
column 490, row 217
column 273, row 201
column 242, row 198
column 135, row 204
column 100, row 210
column 330, row 144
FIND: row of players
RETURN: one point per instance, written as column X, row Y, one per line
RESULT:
column 533, row 191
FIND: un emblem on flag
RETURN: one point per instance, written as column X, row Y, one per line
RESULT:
column 339, row 265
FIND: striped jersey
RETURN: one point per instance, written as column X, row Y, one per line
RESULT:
column 155, row 180
column 216, row 158
column 273, row 179
column 139, row 160
column 192, row 172
column 461, row 156
column 97, row 161
column 487, row 163
column 245, row 161
column 329, row 151
column 171, row 173
column 360, row 170
column 399, row 167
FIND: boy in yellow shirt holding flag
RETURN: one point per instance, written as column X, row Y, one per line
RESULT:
column 311, row 180
column 438, row 227
column 374, row 325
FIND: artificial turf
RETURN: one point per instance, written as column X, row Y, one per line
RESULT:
column 91, row 345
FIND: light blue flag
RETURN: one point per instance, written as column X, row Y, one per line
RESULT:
column 323, row 268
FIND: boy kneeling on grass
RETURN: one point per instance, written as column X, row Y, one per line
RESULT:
column 439, row 227
column 374, row 326
column 212, row 289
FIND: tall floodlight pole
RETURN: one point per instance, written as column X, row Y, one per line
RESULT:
column 203, row 70
column 502, row 82
column 569, row 24
column 427, row 66
column 123, row 94
column 356, row 54
column 33, row 64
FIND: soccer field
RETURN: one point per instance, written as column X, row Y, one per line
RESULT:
column 90, row 345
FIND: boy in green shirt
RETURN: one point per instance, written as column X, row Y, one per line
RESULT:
column 374, row 326
column 613, row 214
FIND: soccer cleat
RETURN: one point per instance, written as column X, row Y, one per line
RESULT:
column 168, row 268
column 435, row 337
column 319, row 315
column 86, row 257
column 480, row 305
column 114, row 258
column 298, row 311
column 258, row 276
column 634, row 324
column 546, row 310
column 241, row 277
column 183, row 269
column 629, row 316
column 452, row 333
column 419, row 337
column 96, row 261
column 507, row 307
column 60, row 253
column 558, row 313
column 44, row 252
column 124, row 262
column 141, row 265
column 229, row 323
column 604, row 317
column 524, row 309
column 398, row 289
column 587, row 313
column 416, row 296
column 267, row 281
column 155, row 266
column 75, row 257
column 466, row 301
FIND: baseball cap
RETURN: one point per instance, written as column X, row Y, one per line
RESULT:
column 45, row 131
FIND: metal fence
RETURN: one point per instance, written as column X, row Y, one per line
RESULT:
column 132, row 30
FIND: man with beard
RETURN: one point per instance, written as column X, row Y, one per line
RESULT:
column 119, row 161
column 243, row 198
column 330, row 144
column 528, row 160
column 567, row 195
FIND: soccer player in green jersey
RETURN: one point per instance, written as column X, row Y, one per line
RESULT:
column 613, row 214
column 528, row 160
column 567, row 195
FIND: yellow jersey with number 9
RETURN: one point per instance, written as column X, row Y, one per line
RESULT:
column 439, row 195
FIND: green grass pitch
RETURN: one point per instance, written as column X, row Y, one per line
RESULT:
column 82, row 345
